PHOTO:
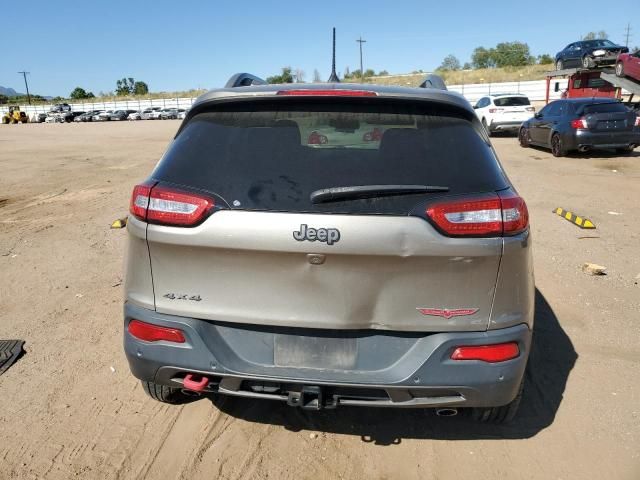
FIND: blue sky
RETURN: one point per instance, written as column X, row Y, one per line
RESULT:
column 177, row 45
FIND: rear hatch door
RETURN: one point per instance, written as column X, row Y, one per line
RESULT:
column 609, row 118
column 269, row 255
column 516, row 108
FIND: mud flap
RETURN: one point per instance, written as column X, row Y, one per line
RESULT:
column 10, row 351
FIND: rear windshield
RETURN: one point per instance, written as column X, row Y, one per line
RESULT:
column 272, row 157
column 511, row 101
column 605, row 108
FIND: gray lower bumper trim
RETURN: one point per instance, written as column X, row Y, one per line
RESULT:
column 409, row 370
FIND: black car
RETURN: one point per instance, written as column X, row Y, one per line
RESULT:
column 86, row 116
column 71, row 116
column 582, row 124
column 120, row 114
column 589, row 54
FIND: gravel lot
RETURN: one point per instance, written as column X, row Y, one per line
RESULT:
column 70, row 407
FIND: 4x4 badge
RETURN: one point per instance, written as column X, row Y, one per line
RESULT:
column 447, row 313
column 326, row 235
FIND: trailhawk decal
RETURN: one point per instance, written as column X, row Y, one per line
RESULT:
column 326, row 235
column 447, row 313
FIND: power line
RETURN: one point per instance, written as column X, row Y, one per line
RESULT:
column 24, row 74
column 627, row 34
column 361, row 41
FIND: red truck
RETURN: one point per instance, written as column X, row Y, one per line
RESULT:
column 581, row 83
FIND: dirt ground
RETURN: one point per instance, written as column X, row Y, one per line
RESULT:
column 70, row 407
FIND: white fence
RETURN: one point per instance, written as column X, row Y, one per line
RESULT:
column 535, row 90
column 115, row 105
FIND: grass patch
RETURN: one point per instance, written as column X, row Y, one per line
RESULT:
column 484, row 75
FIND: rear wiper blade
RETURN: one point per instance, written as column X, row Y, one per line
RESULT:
column 335, row 194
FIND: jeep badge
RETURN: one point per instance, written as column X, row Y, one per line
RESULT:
column 326, row 235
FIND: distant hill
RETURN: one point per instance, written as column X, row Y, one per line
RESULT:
column 9, row 92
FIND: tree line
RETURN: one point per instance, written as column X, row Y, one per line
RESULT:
column 124, row 87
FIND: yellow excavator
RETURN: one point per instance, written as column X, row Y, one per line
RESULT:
column 15, row 116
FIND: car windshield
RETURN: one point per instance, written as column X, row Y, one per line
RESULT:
column 511, row 101
column 297, row 149
column 598, row 43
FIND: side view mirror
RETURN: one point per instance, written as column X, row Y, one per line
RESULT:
column 537, row 115
column 475, row 107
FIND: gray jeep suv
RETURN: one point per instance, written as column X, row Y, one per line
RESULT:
column 328, row 245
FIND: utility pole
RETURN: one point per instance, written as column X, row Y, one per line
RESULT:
column 333, row 78
column 361, row 41
column 627, row 34
column 24, row 74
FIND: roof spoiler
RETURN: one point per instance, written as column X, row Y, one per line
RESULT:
column 433, row 81
column 244, row 80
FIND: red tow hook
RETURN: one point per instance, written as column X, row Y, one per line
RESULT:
column 190, row 383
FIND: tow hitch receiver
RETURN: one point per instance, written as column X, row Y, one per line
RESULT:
column 309, row 398
column 192, row 382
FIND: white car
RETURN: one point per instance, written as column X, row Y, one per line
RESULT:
column 135, row 115
column 182, row 114
column 146, row 113
column 157, row 113
column 54, row 118
column 503, row 112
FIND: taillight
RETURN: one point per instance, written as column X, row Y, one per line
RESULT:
column 496, row 110
column 167, row 206
column 515, row 215
column 154, row 333
column 499, row 352
column 488, row 216
column 328, row 93
column 579, row 123
column 140, row 200
column 530, row 109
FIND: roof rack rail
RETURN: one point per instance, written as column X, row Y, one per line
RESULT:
column 433, row 81
column 244, row 80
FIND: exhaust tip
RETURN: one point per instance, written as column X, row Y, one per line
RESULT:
column 446, row 412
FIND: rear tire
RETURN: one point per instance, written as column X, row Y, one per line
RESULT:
column 587, row 62
column 557, row 149
column 523, row 137
column 165, row 394
column 559, row 65
column 503, row 414
column 619, row 69
column 624, row 150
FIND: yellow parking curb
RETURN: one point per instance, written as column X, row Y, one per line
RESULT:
column 120, row 223
column 575, row 219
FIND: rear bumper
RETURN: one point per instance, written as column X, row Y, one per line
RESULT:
column 394, row 369
column 506, row 126
column 586, row 138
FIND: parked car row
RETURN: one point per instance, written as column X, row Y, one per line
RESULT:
column 62, row 113
column 157, row 113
